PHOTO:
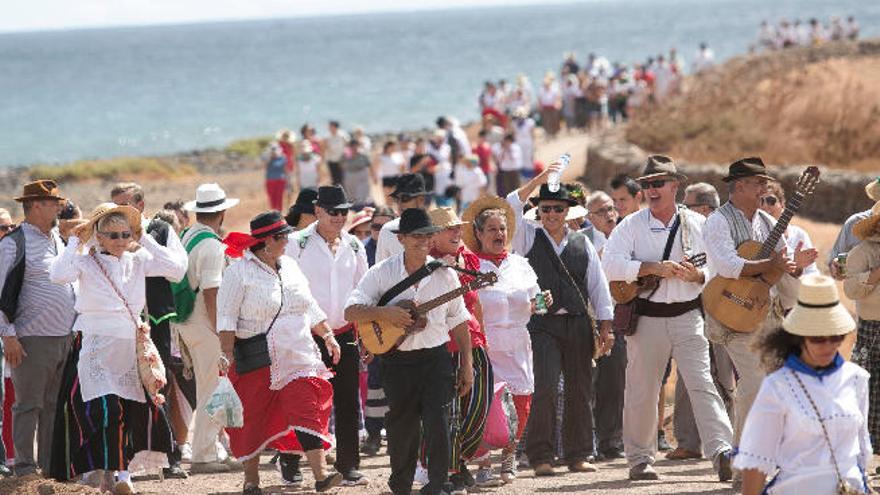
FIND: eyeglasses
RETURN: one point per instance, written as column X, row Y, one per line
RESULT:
column 376, row 226
column 769, row 200
column 554, row 208
column 834, row 339
column 697, row 205
column 337, row 212
column 653, row 184
column 7, row 227
column 603, row 211
column 116, row 235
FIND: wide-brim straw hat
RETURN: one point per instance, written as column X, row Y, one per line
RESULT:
column 469, row 237
column 131, row 214
column 445, row 217
column 872, row 189
column 864, row 228
column 360, row 218
column 818, row 312
column 574, row 212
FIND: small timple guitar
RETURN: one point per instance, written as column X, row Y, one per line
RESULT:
column 624, row 292
column 742, row 304
column 379, row 337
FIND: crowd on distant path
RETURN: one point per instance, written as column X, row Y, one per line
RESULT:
column 788, row 34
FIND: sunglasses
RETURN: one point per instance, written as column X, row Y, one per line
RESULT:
column 603, row 211
column 405, row 198
column 769, row 200
column 376, row 226
column 834, row 339
column 337, row 212
column 7, row 228
column 280, row 236
column 697, row 205
column 653, row 184
column 116, row 235
column 554, row 208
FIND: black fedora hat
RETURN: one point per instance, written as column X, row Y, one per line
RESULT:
column 752, row 166
column 332, row 197
column 416, row 221
column 267, row 224
column 563, row 194
column 409, row 185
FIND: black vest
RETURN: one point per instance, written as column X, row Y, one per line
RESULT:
column 14, row 277
column 160, row 299
column 575, row 259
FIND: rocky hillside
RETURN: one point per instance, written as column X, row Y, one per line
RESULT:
column 810, row 105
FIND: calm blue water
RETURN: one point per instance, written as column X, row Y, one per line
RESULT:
column 95, row 93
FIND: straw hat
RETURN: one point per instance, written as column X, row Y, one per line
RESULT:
column 872, row 189
column 865, row 228
column 818, row 312
column 445, row 217
column 104, row 209
column 468, row 237
column 360, row 218
column 574, row 213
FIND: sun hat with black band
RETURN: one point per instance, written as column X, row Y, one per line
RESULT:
column 263, row 226
column 131, row 214
column 818, row 312
column 544, row 194
column 415, row 221
column 751, row 166
column 660, row 166
column 409, row 185
column 332, row 198
column 210, row 198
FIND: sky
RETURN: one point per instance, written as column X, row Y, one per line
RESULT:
column 34, row 15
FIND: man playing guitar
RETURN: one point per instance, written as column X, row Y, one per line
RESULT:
column 658, row 241
column 735, row 222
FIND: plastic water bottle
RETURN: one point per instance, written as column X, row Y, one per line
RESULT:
column 553, row 179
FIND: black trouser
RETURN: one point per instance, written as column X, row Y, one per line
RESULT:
column 346, row 395
column 561, row 344
column 609, row 383
column 419, row 386
column 160, row 333
column 335, row 172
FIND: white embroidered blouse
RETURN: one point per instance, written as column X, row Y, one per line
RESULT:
column 249, row 298
column 507, row 305
column 782, row 433
column 107, row 363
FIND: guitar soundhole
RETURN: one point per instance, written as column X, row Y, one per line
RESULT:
column 738, row 300
column 378, row 332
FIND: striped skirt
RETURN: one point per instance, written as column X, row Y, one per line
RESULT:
column 107, row 432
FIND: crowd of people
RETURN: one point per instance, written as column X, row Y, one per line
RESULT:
column 789, row 34
column 117, row 327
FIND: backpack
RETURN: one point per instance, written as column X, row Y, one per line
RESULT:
column 15, row 276
column 184, row 295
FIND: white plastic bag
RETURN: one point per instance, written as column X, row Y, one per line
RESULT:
column 224, row 407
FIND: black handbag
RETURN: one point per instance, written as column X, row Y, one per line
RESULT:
column 252, row 353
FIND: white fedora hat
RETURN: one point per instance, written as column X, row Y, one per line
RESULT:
column 210, row 198
column 818, row 312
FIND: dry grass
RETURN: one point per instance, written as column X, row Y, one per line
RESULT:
column 251, row 147
column 112, row 168
column 777, row 106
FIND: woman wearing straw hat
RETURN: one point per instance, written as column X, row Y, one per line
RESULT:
column 860, row 285
column 104, row 425
column 808, row 426
column 266, row 317
column 507, row 307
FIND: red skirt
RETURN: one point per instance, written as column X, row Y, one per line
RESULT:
column 271, row 416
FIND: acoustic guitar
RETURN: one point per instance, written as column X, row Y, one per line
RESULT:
column 742, row 304
column 624, row 292
column 379, row 337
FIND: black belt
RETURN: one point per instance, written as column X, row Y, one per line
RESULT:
column 645, row 307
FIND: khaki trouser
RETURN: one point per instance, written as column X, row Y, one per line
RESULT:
column 684, row 425
column 648, row 351
column 204, row 347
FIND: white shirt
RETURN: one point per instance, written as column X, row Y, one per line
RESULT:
column 331, row 277
column 594, row 280
column 641, row 237
column 795, row 235
column 471, row 181
column 388, row 245
column 248, row 300
column 391, row 165
column 548, row 96
column 507, row 304
column 386, row 274
column 335, row 146
column 782, row 431
column 508, row 159
column 205, row 271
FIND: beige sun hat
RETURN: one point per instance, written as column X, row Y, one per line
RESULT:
column 445, row 217
column 864, row 228
column 872, row 189
column 104, row 209
column 818, row 312
column 468, row 237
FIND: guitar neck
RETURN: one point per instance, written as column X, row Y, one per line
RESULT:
column 791, row 207
column 423, row 308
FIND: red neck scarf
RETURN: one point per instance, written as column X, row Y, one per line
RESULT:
column 494, row 258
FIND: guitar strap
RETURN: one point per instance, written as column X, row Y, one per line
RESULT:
column 667, row 251
column 409, row 281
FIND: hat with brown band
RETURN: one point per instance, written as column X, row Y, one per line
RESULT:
column 445, row 218
column 660, row 166
column 752, row 166
column 40, row 190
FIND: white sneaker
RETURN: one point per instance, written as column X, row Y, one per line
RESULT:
column 186, row 452
column 421, row 476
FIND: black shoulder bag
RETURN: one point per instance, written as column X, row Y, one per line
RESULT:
column 252, row 353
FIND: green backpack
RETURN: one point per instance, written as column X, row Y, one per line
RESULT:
column 184, row 295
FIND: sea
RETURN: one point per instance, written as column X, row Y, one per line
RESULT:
column 91, row 93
